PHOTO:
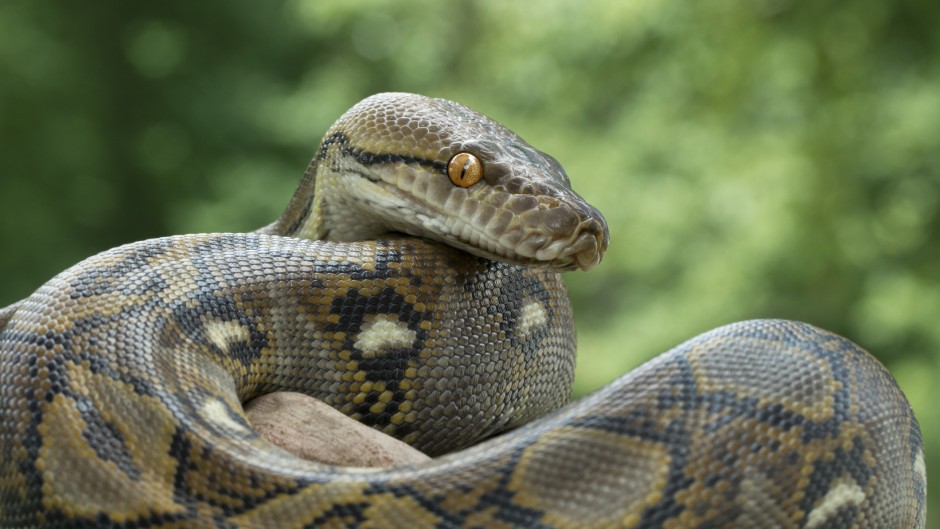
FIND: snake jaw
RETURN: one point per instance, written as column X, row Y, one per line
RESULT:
column 545, row 229
column 552, row 229
column 584, row 251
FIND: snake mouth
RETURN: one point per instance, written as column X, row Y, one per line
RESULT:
column 582, row 249
column 584, row 252
column 517, row 229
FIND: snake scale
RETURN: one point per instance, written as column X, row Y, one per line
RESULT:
column 122, row 379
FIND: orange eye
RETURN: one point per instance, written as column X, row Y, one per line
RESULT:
column 464, row 169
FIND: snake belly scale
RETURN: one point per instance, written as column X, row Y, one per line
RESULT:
column 412, row 283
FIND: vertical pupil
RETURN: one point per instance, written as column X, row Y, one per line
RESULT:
column 465, row 168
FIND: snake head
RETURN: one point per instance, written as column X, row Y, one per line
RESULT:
column 433, row 168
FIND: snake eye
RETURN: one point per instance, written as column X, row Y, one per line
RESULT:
column 464, row 169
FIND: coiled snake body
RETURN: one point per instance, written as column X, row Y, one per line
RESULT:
column 122, row 379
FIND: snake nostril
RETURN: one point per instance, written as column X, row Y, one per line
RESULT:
column 590, row 244
column 585, row 250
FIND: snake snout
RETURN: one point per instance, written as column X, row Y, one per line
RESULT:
column 589, row 245
column 564, row 237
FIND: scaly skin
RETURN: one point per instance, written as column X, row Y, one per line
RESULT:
column 122, row 379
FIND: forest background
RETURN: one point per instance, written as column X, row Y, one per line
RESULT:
column 754, row 158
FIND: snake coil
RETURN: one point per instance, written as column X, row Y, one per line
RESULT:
column 122, row 379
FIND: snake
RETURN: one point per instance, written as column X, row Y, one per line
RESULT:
column 413, row 283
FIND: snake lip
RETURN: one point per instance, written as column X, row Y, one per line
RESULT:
column 588, row 249
column 581, row 249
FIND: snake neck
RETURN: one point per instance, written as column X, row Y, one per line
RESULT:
column 303, row 216
column 324, row 206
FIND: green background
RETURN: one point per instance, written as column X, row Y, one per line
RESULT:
column 760, row 158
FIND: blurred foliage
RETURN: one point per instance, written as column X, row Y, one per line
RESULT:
column 754, row 158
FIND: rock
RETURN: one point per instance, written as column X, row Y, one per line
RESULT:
column 311, row 429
